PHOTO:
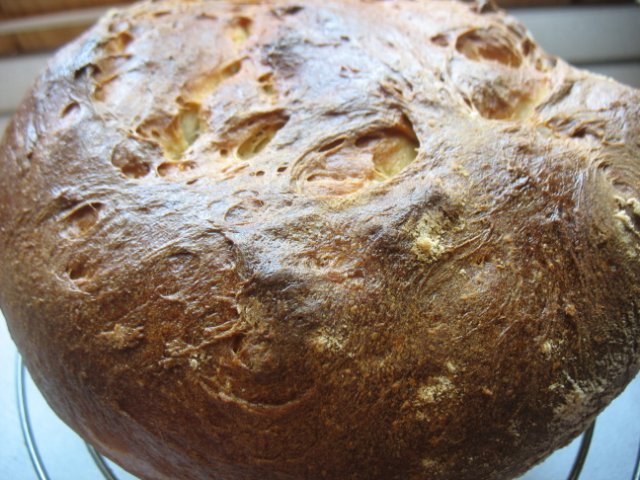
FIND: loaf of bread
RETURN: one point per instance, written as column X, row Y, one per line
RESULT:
column 322, row 240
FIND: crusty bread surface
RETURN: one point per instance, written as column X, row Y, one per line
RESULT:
column 322, row 240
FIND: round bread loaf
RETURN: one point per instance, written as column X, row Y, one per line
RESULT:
column 322, row 240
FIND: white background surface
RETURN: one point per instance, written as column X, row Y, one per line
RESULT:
column 606, row 40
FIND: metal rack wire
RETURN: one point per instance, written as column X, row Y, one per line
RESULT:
column 108, row 474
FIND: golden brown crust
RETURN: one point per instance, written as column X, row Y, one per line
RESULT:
column 355, row 239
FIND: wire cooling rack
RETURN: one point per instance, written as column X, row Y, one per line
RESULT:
column 108, row 474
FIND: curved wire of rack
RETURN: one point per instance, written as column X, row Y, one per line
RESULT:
column 107, row 473
column 29, row 437
column 25, row 422
column 636, row 470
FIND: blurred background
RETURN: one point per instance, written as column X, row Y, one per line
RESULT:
column 600, row 36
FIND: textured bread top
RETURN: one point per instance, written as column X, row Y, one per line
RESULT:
column 322, row 240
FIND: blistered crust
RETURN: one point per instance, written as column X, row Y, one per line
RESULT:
column 359, row 240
